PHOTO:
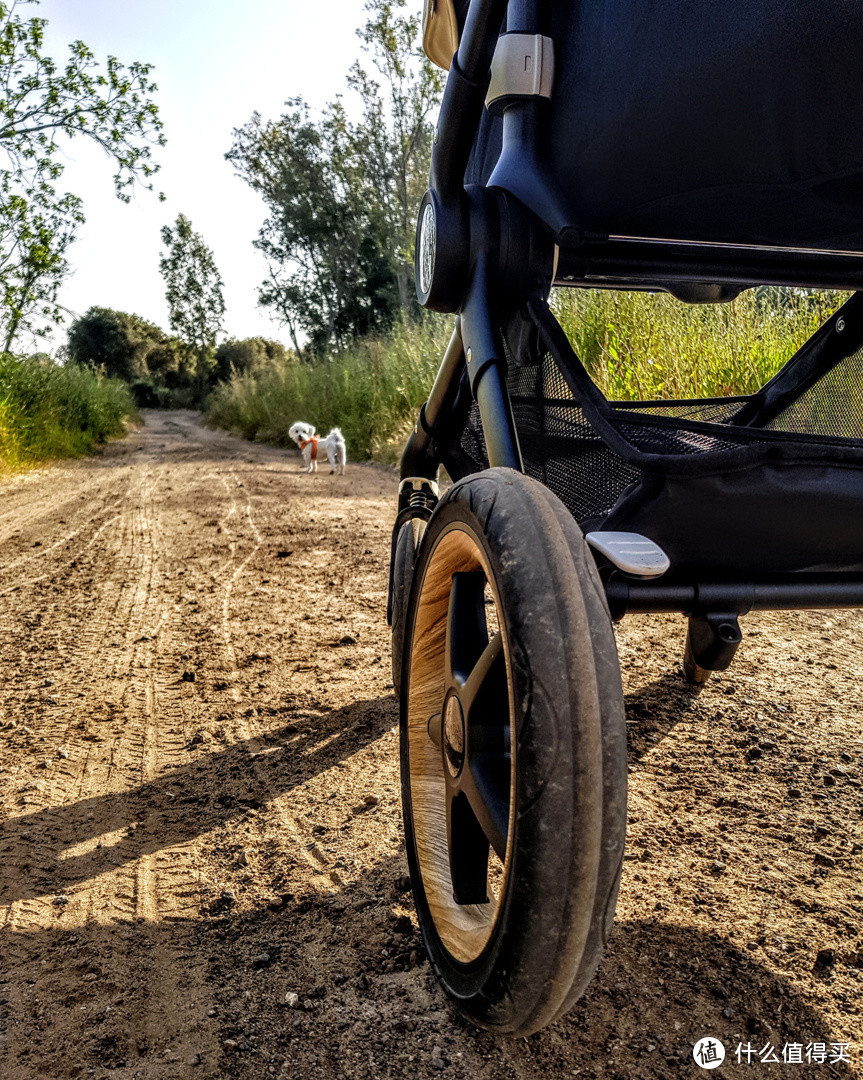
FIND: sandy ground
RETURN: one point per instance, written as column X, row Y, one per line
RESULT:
column 201, row 867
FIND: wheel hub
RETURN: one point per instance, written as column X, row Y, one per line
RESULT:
column 453, row 735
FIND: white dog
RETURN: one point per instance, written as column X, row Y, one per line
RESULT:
column 311, row 445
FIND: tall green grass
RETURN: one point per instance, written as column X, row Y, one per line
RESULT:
column 635, row 346
column 371, row 391
column 50, row 411
column 638, row 346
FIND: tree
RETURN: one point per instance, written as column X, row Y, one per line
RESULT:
column 321, row 247
column 235, row 356
column 43, row 105
column 33, row 260
column 193, row 289
column 397, row 126
column 125, row 346
column 341, row 195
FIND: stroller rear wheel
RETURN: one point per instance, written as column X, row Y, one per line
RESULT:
column 404, row 562
column 512, row 752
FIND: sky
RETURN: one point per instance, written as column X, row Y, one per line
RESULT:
column 216, row 62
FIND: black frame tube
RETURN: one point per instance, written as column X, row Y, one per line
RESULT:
column 479, row 38
column 498, row 425
column 486, row 369
column 461, row 108
column 631, row 263
column 418, row 457
column 631, row 596
column 463, row 100
column 445, row 385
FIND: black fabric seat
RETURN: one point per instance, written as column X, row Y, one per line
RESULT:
column 730, row 122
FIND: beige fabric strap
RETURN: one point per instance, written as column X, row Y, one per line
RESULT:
column 440, row 32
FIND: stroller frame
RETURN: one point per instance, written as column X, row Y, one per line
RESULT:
column 490, row 254
column 475, row 225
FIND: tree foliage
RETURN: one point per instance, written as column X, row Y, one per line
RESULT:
column 125, row 346
column 328, row 273
column 341, row 193
column 43, row 105
column 193, row 289
column 401, row 95
column 34, row 239
column 238, row 357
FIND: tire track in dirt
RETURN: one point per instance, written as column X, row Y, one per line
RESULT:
column 54, row 729
column 27, row 505
column 248, row 731
column 142, row 734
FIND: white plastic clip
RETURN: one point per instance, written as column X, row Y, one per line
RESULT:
column 631, row 552
column 523, row 66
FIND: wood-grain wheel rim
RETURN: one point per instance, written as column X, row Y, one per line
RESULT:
column 458, row 562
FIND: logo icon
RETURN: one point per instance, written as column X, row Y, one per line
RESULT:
column 708, row 1053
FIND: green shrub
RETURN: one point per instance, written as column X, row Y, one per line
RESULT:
column 51, row 411
column 372, row 391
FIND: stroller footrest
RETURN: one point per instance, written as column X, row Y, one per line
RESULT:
column 631, row 552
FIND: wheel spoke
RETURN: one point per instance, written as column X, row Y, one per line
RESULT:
column 468, row 852
column 487, row 778
column 485, row 690
column 478, row 797
column 466, row 631
column 486, row 784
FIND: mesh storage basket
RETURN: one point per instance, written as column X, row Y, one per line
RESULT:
column 770, row 482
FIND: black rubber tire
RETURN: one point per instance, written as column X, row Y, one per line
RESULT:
column 568, row 798
column 614, row 750
column 404, row 562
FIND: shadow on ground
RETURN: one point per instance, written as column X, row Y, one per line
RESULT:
column 368, row 1006
column 182, row 803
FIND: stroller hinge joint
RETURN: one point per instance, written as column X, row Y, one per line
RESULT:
column 523, row 67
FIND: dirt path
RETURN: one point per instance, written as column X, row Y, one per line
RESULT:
column 200, row 807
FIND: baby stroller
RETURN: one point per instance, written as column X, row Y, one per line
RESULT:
column 626, row 144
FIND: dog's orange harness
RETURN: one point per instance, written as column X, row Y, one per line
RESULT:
column 314, row 441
